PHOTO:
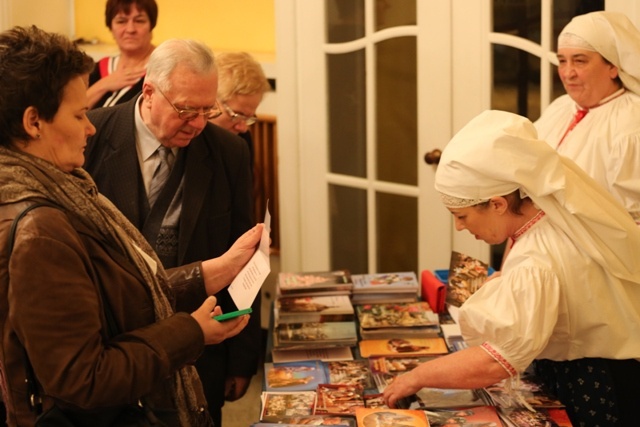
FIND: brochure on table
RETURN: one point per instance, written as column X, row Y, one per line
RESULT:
column 247, row 284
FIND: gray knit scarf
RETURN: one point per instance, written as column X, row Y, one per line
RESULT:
column 23, row 176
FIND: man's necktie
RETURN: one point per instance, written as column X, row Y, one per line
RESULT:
column 161, row 174
column 576, row 119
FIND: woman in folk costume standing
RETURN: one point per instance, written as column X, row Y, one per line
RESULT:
column 596, row 123
column 568, row 297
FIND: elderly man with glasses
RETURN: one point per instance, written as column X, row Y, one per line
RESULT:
column 185, row 183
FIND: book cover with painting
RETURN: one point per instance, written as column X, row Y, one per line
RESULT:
column 350, row 372
column 336, row 282
column 523, row 417
column 405, row 281
column 315, row 334
column 403, row 346
column 480, row 416
column 466, row 275
column 294, row 376
column 279, row 404
column 396, row 315
column 377, row 417
column 325, row 354
column 323, row 308
column 384, row 368
column 315, row 420
column 338, row 399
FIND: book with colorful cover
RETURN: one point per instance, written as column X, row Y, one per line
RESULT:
column 325, row 354
column 281, row 424
column 396, row 315
column 466, row 276
column 385, row 368
column 338, row 399
column 294, row 376
column 405, row 281
column 374, row 400
column 337, row 282
column 315, row 420
column 276, row 405
column 315, row 334
column 285, row 424
column 371, row 298
column 430, row 331
column 322, row 308
column 376, row 417
column 481, row 416
column 403, row 346
column 350, row 372
column 523, row 417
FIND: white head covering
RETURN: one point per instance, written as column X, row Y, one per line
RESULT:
column 613, row 36
column 498, row 153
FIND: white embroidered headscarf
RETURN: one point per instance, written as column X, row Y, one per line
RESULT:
column 498, row 153
column 613, row 36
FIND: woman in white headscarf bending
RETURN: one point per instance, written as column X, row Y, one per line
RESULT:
column 596, row 123
column 568, row 297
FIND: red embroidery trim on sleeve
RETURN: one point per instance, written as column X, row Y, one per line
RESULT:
column 498, row 358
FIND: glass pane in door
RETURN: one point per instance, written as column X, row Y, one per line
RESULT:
column 396, row 233
column 348, row 228
column 516, row 81
column 347, row 113
column 396, row 111
column 518, row 18
column 392, row 13
column 345, row 20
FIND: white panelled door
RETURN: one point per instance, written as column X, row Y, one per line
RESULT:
column 365, row 89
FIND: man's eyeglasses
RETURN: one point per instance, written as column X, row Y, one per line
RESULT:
column 239, row 117
column 188, row 114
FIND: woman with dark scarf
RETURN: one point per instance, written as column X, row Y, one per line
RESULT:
column 78, row 269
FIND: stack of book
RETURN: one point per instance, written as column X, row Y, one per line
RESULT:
column 338, row 389
column 323, row 308
column 385, row 287
column 313, row 311
column 397, row 320
column 336, row 282
column 527, row 403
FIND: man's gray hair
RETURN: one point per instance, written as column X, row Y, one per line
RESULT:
column 193, row 54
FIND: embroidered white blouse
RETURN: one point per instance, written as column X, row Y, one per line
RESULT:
column 605, row 143
column 552, row 301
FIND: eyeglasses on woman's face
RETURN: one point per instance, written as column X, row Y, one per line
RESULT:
column 235, row 117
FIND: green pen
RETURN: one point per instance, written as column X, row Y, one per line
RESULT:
column 232, row 314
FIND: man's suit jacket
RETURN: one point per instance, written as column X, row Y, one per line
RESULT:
column 217, row 207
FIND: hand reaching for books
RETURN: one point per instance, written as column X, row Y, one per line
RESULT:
column 400, row 387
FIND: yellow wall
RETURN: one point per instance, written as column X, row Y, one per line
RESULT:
column 247, row 25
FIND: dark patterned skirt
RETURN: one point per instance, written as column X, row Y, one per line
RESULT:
column 596, row 392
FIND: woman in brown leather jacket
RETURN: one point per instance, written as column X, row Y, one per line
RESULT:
column 78, row 264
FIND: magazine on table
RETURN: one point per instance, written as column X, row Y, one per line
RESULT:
column 337, row 282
